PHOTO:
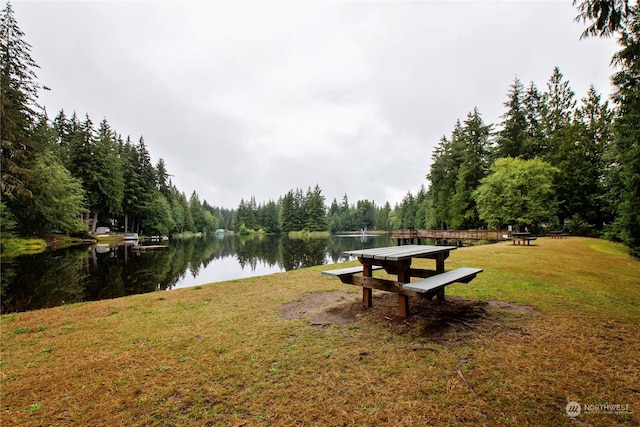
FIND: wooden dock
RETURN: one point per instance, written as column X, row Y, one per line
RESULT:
column 150, row 248
column 439, row 236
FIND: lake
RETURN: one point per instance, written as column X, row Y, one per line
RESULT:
column 100, row 272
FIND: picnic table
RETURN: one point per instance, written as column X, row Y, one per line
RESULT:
column 556, row 234
column 396, row 260
column 522, row 237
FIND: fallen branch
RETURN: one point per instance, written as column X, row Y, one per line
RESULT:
column 459, row 372
column 461, row 375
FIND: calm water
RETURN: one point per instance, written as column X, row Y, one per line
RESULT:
column 101, row 272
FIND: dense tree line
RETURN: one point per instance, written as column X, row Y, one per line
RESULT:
column 574, row 140
column 307, row 211
column 571, row 145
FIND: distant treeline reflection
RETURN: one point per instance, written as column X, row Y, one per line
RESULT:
column 103, row 272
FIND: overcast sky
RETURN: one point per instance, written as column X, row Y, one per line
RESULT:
column 246, row 99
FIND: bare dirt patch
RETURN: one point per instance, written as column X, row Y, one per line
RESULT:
column 321, row 308
column 436, row 322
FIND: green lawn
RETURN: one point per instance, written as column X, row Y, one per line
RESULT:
column 542, row 326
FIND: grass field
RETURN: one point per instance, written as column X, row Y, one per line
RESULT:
column 542, row 326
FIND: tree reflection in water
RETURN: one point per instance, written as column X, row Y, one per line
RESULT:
column 101, row 272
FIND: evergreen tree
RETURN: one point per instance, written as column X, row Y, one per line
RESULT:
column 627, row 132
column 300, row 215
column 422, row 206
column 406, row 212
column 288, row 212
column 18, row 108
column 316, row 212
column 188, row 219
column 162, row 178
column 384, row 217
column 112, row 174
column 534, row 144
column 512, row 138
column 270, row 218
column 197, row 213
column 558, row 104
column 587, row 162
column 470, row 152
column 364, row 215
column 62, row 127
column 442, row 176
column 159, row 220
column 346, row 214
column 606, row 16
column 177, row 213
column 244, row 216
column 57, row 200
column 94, row 159
column 133, row 186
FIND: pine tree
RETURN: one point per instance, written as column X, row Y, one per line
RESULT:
column 513, row 135
column 18, row 107
column 534, row 144
column 288, row 212
column 316, row 211
column 587, row 163
column 627, row 132
column 442, row 176
column 606, row 16
column 472, row 151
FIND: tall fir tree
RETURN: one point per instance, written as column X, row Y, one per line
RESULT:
column 627, row 131
column 316, row 211
column 587, row 162
column 534, row 144
column 512, row 137
column 472, row 153
column 18, row 107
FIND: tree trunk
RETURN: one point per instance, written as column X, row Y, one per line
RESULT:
column 94, row 223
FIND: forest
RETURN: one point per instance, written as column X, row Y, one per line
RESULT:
column 553, row 162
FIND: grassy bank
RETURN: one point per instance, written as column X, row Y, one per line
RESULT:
column 17, row 246
column 542, row 326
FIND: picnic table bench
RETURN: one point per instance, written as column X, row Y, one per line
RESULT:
column 346, row 273
column 396, row 260
column 522, row 237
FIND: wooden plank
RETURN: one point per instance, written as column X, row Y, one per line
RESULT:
column 464, row 275
column 381, row 285
column 398, row 253
column 347, row 271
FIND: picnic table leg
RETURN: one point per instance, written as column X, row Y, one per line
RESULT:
column 367, row 293
column 439, row 270
column 403, row 305
column 367, row 297
column 404, row 276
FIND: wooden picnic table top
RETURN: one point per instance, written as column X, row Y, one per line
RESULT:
column 399, row 253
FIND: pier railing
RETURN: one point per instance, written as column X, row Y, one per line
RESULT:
column 444, row 235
